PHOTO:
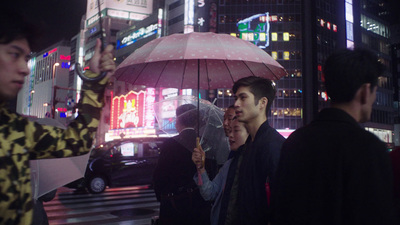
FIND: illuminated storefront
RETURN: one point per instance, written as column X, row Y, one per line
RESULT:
column 132, row 115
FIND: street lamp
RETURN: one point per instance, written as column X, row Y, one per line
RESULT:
column 54, row 90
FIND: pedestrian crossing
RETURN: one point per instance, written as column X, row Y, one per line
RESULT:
column 116, row 206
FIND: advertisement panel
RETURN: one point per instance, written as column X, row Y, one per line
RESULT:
column 132, row 115
column 255, row 29
column 132, row 6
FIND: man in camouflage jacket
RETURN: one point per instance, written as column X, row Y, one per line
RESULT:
column 22, row 140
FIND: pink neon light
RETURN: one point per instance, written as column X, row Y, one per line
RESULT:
column 54, row 50
column 63, row 57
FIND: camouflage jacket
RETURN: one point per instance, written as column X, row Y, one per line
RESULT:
column 22, row 140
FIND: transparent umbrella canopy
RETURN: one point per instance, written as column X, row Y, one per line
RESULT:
column 211, row 131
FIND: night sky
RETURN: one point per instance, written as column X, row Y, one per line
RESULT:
column 61, row 18
column 57, row 19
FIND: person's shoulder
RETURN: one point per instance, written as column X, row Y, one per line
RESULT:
column 370, row 140
column 170, row 141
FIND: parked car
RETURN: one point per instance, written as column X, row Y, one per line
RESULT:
column 121, row 163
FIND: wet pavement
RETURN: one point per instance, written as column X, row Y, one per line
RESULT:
column 116, row 206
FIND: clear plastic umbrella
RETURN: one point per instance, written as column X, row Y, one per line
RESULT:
column 212, row 136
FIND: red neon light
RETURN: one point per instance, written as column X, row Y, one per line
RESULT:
column 86, row 68
column 273, row 18
column 263, row 19
column 62, row 109
column 128, row 110
column 334, row 27
column 149, row 110
column 112, row 109
column 322, row 23
column 328, row 25
column 54, row 50
column 63, row 57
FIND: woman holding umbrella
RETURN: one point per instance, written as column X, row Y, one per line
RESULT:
column 214, row 190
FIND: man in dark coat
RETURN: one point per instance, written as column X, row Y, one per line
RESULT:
column 333, row 171
column 245, row 199
column 180, row 200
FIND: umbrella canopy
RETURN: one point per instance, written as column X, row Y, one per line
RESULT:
column 183, row 60
column 212, row 135
column 50, row 174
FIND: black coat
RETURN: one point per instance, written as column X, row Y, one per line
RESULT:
column 174, row 174
column 259, row 164
column 333, row 172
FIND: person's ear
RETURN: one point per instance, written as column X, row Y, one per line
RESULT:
column 264, row 102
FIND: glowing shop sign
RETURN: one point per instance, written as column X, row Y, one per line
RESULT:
column 138, row 35
column 133, row 110
column 255, row 29
column 63, row 57
column 149, row 113
column 49, row 52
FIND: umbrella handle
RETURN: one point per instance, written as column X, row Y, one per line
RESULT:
column 79, row 71
column 78, row 68
column 199, row 179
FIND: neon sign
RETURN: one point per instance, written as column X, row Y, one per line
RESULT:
column 149, row 111
column 138, row 35
column 255, row 29
column 49, row 52
column 65, row 65
column 129, row 111
column 63, row 57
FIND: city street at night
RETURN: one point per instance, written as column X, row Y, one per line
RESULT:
column 130, row 205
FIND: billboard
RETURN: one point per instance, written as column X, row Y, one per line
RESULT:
column 139, row 34
column 133, row 110
column 255, row 29
column 118, row 8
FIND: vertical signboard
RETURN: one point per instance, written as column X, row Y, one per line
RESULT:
column 206, row 16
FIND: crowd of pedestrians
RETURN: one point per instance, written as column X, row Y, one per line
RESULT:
column 331, row 171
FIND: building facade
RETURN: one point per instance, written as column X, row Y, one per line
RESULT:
column 300, row 35
column 47, row 83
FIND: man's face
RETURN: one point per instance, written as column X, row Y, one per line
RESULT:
column 367, row 109
column 14, row 58
column 246, row 108
column 228, row 116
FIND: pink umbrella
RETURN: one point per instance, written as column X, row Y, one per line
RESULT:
column 197, row 60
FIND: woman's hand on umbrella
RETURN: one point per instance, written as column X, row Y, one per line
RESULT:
column 103, row 61
column 198, row 158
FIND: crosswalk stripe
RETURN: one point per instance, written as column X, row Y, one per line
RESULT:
column 113, row 207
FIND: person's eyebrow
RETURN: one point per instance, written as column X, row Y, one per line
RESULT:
column 242, row 94
column 21, row 50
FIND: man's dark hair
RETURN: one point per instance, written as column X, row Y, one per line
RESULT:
column 15, row 26
column 347, row 70
column 259, row 87
column 187, row 115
